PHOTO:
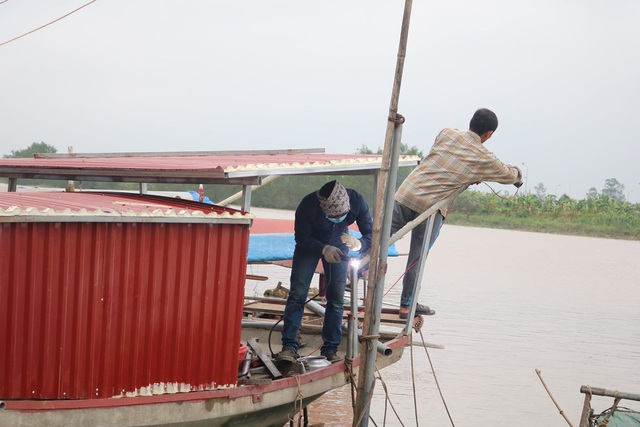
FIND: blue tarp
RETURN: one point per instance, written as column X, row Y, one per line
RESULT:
column 196, row 197
column 280, row 246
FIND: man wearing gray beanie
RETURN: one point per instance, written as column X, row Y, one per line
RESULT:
column 321, row 222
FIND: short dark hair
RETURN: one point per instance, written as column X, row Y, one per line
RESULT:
column 483, row 121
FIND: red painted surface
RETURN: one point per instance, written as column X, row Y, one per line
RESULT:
column 276, row 225
column 271, row 225
column 91, row 310
column 212, row 164
column 88, row 202
column 45, row 405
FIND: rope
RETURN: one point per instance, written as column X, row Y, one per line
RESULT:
column 436, row 380
column 401, row 276
column 616, row 401
column 368, row 338
column 398, row 120
column 299, row 397
column 387, row 399
column 387, row 402
column 46, row 25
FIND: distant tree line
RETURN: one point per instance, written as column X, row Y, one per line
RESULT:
column 36, row 147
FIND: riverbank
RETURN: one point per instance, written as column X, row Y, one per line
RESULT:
column 560, row 226
column 565, row 226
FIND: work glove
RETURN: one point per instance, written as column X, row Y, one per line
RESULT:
column 332, row 254
column 351, row 241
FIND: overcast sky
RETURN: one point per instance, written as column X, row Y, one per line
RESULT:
column 563, row 76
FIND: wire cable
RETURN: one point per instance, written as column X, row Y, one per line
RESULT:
column 436, row 380
column 502, row 197
column 45, row 25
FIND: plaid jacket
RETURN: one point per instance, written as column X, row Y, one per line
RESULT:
column 456, row 160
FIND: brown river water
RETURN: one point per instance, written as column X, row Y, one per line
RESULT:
column 507, row 303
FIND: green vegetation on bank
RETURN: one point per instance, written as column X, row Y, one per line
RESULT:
column 598, row 215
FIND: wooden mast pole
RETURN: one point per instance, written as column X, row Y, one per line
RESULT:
column 375, row 287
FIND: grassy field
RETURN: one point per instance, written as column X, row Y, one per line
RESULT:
column 570, row 226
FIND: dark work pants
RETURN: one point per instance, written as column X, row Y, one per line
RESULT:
column 401, row 216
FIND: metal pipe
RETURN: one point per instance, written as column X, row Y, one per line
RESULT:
column 352, row 327
column 239, row 194
column 318, row 309
column 424, row 253
column 410, row 226
column 262, row 325
column 246, row 365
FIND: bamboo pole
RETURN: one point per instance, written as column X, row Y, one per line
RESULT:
column 552, row 398
column 586, row 407
column 598, row 391
column 374, row 288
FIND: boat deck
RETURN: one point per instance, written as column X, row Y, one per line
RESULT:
column 271, row 307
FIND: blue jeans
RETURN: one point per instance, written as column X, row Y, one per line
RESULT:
column 401, row 216
column 302, row 270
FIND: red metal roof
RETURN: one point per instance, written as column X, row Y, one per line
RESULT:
column 220, row 168
column 112, row 207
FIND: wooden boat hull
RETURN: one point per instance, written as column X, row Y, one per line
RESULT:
column 268, row 404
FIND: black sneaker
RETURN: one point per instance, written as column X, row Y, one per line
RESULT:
column 287, row 355
column 420, row 309
column 333, row 358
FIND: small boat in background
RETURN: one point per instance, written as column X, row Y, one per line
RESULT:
column 614, row 416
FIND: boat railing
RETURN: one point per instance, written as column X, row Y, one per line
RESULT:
column 587, row 412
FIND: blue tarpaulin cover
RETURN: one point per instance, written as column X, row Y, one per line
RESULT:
column 279, row 246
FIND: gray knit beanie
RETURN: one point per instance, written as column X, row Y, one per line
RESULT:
column 334, row 200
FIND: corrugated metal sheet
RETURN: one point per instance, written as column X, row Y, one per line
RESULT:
column 193, row 168
column 102, row 309
column 110, row 207
column 211, row 164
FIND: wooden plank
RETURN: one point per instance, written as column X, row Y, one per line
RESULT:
column 257, row 277
column 275, row 373
column 275, row 308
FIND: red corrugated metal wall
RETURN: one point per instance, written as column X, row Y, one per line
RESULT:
column 94, row 310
